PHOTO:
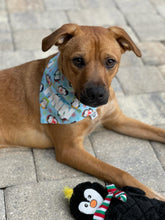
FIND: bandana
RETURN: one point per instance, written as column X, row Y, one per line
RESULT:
column 58, row 103
column 112, row 192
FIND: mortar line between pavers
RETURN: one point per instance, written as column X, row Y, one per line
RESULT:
column 163, row 167
column 45, row 8
column 157, row 12
column 90, row 139
column 67, row 15
column 121, row 86
column 35, row 167
column 11, row 29
column 4, row 199
column 144, row 64
column 117, row 6
column 47, row 181
column 127, row 22
column 139, row 94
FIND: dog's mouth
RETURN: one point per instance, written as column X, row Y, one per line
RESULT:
column 93, row 96
column 93, row 103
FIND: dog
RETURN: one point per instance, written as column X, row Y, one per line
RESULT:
column 89, row 58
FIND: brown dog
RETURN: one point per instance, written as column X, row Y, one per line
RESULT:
column 89, row 58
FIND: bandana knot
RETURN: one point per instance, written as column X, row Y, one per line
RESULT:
column 113, row 192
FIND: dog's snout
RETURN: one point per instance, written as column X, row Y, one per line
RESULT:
column 94, row 93
column 94, row 96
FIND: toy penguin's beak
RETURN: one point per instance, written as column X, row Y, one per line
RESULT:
column 93, row 203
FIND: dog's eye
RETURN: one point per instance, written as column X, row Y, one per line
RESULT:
column 79, row 62
column 110, row 63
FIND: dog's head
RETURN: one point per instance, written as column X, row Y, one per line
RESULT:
column 90, row 58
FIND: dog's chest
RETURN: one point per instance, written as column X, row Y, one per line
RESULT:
column 103, row 112
column 93, row 123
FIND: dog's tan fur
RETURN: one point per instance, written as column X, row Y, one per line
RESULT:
column 19, row 96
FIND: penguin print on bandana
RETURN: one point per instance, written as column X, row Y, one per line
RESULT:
column 87, row 112
column 57, row 76
column 48, row 79
column 44, row 102
column 62, row 90
column 75, row 103
column 51, row 119
column 41, row 87
column 58, row 103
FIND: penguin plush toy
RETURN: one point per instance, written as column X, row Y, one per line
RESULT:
column 92, row 201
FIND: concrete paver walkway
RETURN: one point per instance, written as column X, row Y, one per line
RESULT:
column 32, row 181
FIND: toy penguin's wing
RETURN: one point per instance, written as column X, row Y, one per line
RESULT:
column 133, row 190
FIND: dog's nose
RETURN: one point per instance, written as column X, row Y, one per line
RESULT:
column 94, row 96
column 95, row 93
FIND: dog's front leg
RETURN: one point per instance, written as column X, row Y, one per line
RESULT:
column 69, row 150
column 76, row 157
column 114, row 119
column 134, row 128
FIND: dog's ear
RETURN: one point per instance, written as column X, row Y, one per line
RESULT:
column 59, row 37
column 124, row 40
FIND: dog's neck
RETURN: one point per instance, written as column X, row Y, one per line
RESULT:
column 58, row 103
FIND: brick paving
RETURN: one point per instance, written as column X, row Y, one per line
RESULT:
column 31, row 181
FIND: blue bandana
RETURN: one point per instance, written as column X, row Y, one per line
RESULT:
column 58, row 103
